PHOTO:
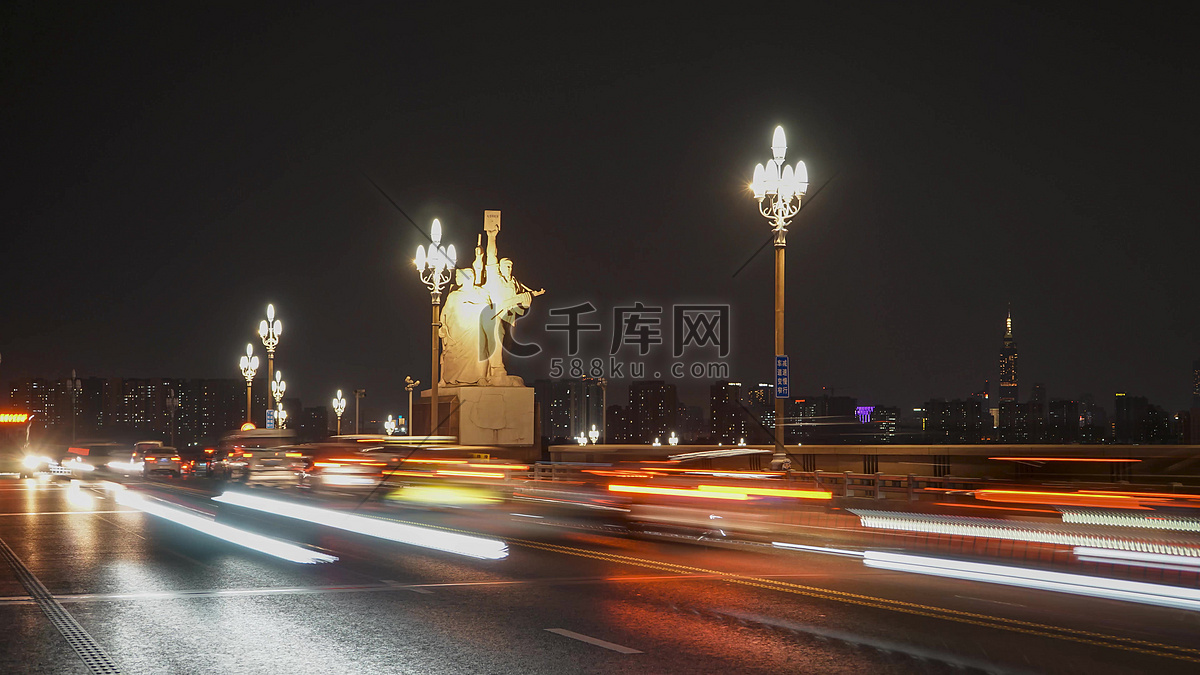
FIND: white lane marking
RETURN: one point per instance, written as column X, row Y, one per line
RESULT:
column 593, row 641
column 1010, row 604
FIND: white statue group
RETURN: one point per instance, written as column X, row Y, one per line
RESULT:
column 486, row 300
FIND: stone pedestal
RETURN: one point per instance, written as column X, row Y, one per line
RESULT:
column 487, row 415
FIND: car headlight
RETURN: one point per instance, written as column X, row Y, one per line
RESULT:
column 31, row 462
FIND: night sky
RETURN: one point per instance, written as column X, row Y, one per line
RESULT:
column 169, row 172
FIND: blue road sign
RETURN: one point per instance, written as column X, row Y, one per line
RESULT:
column 781, row 377
column 270, row 418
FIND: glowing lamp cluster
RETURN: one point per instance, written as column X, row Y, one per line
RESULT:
column 436, row 264
column 339, row 404
column 777, row 182
column 249, row 364
column 278, row 386
column 269, row 330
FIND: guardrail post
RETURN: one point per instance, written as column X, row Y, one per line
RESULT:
column 817, row 478
column 846, row 484
column 912, row 487
column 878, row 485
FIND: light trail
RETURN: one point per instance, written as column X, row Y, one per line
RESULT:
column 1075, row 584
column 1182, row 563
column 990, row 528
column 676, row 492
column 450, row 542
column 768, row 492
column 251, row 540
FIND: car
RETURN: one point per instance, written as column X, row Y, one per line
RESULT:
column 257, row 456
column 86, row 459
column 347, row 465
column 161, row 460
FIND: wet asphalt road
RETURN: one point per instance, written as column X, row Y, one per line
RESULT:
column 158, row 598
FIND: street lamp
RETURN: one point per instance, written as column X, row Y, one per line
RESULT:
column 278, row 386
column 778, row 189
column 673, row 440
column 389, row 425
column 410, row 384
column 269, row 331
column 339, row 406
column 656, row 442
column 436, row 269
column 248, row 364
column 281, row 418
column 594, row 434
column 581, row 439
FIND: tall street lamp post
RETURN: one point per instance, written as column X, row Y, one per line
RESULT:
column 358, row 394
column 436, row 269
column 410, row 384
column 249, row 365
column 339, row 406
column 778, row 189
column 269, row 331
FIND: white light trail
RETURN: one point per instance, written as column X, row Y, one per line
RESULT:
column 1047, row 533
column 450, row 542
column 258, row 542
column 1183, row 563
column 1076, row 584
column 817, row 549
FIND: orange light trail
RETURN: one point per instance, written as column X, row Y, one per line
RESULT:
column 434, row 461
column 1063, row 498
column 1064, row 459
column 711, row 471
column 619, row 473
column 1166, row 495
column 676, row 492
column 504, row 467
column 994, row 508
column 768, row 492
column 469, row 474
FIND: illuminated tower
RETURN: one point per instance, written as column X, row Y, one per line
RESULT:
column 1008, row 363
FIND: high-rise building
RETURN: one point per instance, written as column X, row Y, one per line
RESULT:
column 1065, row 422
column 653, row 411
column 313, row 423
column 1008, row 363
column 691, row 424
column 1037, row 414
column 616, row 426
column 570, row 407
column 727, row 420
column 956, row 421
